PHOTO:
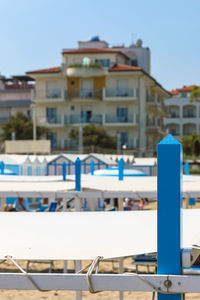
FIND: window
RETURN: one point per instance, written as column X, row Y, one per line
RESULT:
column 86, row 88
column 86, row 116
column 103, row 62
column 51, row 114
column 184, row 95
column 52, row 90
column 52, row 136
column 122, row 114
column 122, row 87
column 147, row 95
column 123, row 138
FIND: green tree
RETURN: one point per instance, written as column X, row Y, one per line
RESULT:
column 195, row 94
column 95, row 136
column 191, row 144
column 22, row 126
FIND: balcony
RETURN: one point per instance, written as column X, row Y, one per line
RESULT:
column 114, row 94
column 174, row 132
column 54, row 121
column 50, row 95
column 174, row 120
column 153, row 100
column 114, row 120
column 185, row 115
column 86, row 94
column 71, row 144
column 155, row 131
column 78, row 119
column 79, row 70
column 156, row 109
column 4, row 120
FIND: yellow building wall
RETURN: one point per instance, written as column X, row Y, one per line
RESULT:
column 99, row 82
column 75, row 84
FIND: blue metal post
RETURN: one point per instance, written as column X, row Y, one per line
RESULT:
column 186, row 167
column 2, row 167
column 77, row 175
column 121, row 169
column 169, row 197
column 92, row 167
column 64, row 170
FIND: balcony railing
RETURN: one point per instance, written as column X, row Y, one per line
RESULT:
column 57, row 93
column 110, row 92
column 119, row 119
column 153, row 100
column 53, row 120
column 86, row 93
column 78, row 119
column 174, row 115
column 174, row 132
column 70, row 143
column 129, row 144
column 3, row 120
column 186, row 115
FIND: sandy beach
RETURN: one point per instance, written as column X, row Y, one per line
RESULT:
column 70, row 295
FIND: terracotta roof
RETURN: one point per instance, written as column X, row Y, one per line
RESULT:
column 121, row 67
column 49, row 70
column 91, row 50
column 183, row 89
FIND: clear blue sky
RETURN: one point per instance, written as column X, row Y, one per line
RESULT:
column 33, row 33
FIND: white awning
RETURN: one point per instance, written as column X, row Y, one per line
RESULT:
column 86, row 235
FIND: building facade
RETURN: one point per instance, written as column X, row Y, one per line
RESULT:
column 184, row 115
column 15, row 96
column 103, row 86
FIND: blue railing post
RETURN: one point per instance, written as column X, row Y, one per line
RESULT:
column 169, row 197
column 121, row 169
column 64, row 170
column 186, row 167
column 77, row 175
column 92, row 167
column 2, row 167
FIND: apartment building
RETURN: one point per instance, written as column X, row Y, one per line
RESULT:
column 103, row 86
column 15, row 96
column 184, row 115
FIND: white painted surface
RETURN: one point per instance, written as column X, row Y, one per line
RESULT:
column 86, row 234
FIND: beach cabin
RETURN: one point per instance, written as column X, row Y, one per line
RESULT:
column 55, row 166
column 128, row 159
column 146, row 165
column 10, row 163
column 43, row 166
column 101, row 161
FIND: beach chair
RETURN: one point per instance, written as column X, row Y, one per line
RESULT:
column 53, row 206
column 145, row 260
column 192, row 201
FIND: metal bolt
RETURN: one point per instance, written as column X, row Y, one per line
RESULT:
column 167, row 283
